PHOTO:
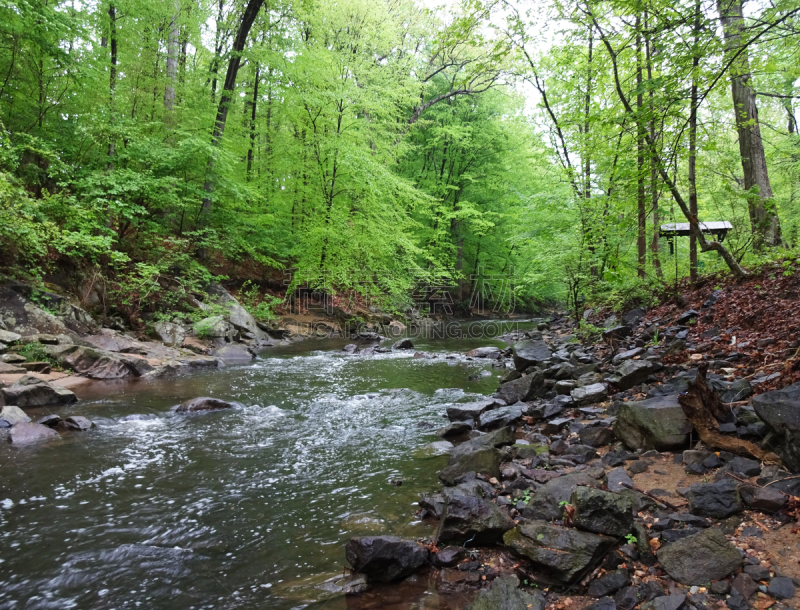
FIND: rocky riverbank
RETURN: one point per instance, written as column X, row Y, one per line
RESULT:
column 581, row 481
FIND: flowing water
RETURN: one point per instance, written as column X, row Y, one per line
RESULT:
column 240, row 508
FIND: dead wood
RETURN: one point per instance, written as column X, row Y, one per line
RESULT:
column 702, row 406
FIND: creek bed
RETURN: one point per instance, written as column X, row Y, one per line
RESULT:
column 232, row 509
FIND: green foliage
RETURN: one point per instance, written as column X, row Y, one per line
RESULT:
column 631, row 539
column 35, row 352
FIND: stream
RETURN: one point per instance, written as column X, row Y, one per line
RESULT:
column 240, row 508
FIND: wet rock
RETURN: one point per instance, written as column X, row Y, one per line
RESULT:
column 602, row 512
column 608, row 583
column 351, row 348
column 502, row 416
column 51, row 421
column 216, row 329
column 497, row 438
column 562, row 553
column 596, row 436
column 546, row 503
column 589, row 394
column 449, row 556
column 31, row 391
column 634, row 372
column 492, row 353
column 766, row 499
column 523, row 389
column 745, row 467
column 475, row 519
column 716, row 500
column 483, row 461
column 700, row 558
column 780, row 409
column 203, row 403
column 79, row 423
column 627, row 598
column 505, row 594
column 470, row 411
column 665, row 602
column 404, row 343
column 627, row 355
column 11, row 415
column 25, row 433
column 98, row 364
column 110, row 341
column 529, row 353
column 233, row 353
column 604, row 603
column 385, row 558
column 781, row 587
column 736, row 391
column 456, row 428
column 654, row 423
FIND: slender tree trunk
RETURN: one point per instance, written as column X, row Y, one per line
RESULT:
column 253, row 111
column 650, row 53
column 250, row 13
column 641, row 238
column 693, row 103
column 112, row 83
column 173, row 49
column 763, row 215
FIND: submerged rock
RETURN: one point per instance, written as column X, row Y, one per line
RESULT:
column 203, row 403
column 403, row 344
column 492, row 353
column 562, row 553
column 700, row 558
column 31, row 391
column 505, row 594
column 385, row 558
column 25, row 433
column 80, row 423
column 233, row 352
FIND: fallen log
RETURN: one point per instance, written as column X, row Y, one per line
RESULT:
column 703, row 408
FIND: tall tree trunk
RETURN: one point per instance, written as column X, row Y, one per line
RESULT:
column 641, row 237
column 112, row 83
column 250, row 13
column 763, row 215
column 173, row 48
column 253, row 110
column 693, row 103
column 650, row 53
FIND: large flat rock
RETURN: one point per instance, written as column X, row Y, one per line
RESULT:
column 655, row 423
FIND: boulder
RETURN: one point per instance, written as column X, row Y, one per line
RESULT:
column 10, row 369
column 25, row 433
column 470, row 411
column 562, row 554
column 237, row 316
column 233, row 353
column 700, row 558
column 350, row 348
column 169, row 333
column 522, row 389
column 36, row 367
column 654, row 423
column 596, row 436
column 497, row 438
column 403, row 344
column 627, row 355
column 448, row 556
column 665, row 602
column 11, row 415
column 99, row 364
column 502, row 416
column 604, row 603
column 634, row 372
column 216, row 329
column 504, row 594
column 79, row 423
column 602, row 512
column 781, row 587
column 457, row 428
column 31, row 391
column 617, row 332
column 203, row 403
column 529, row 353
column 385, row 558
column 589, row 394
column 475, row 519
column 780, row 410
column 483, row 461
column 546, row 503
column 493, row 353
column 8, row 337
column 634, row 316
column 716, row 500
column 110, row 341
column 766, row 499
column 608, row 583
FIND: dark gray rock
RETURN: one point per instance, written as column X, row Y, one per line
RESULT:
column 627, row 355
column 604, row 603
column 757, row 572
column 634, row 372
column 736, row 391
column 203, row 403
column 686, row 317
column 505, row 594
column 618, row 480
column 716, row 500
column 502, row 416
column 589, row 394
column 617, row 332
column 608, row 583
column 385, row 558
column 700, row 558
column 745, row 585
column 29, row 391
column 51, row 421
column 79, row 423
column 475, row 519
column 721, row 587
column 767, row 499
column 484, row 461
column 470, row 411
column 546, row 503
column 602, row 512
column 456, row 428
column 745, row 467
column 233, row 353
column 562, row 553
column 523, row 389
column 780, row 409
column 529, row 353
column 627, row 598
column 665, row 602
column 496, row 438
column 25, row 433
column 596, row 436
column 737, row 602
column 638, row 467
column 492, row 353
column 781, row 587
column 449, row 556
column 655, row 423
column 404, row 343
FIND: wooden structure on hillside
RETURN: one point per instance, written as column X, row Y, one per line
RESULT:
column 718, row 228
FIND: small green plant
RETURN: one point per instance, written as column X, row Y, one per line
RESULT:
column 35, row 352
column 526, row 497
column 631, row 539
column 655, row 336
column 258, row 305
